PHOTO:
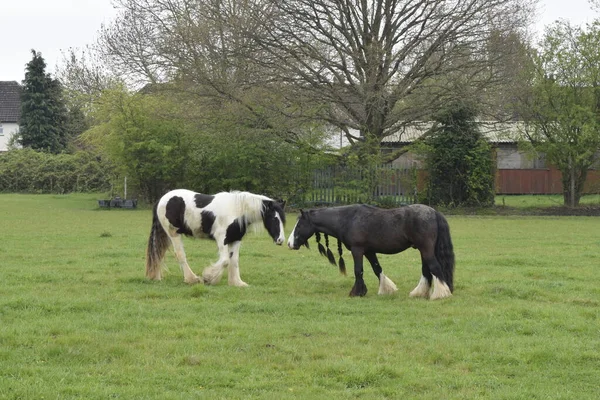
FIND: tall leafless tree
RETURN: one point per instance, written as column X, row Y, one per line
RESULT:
column 363, row 66
column 367, row 58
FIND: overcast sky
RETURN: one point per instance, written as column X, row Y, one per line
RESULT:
column 53, row 26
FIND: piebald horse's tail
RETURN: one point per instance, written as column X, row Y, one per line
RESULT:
column 444, row 251
column 158, row 244
column 327, row 253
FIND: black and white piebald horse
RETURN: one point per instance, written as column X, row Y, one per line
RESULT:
column 367, row 230
column 224, row 217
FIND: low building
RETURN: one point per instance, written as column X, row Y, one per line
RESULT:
column 517, row 172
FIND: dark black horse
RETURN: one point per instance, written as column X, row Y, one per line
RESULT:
column 367, row 230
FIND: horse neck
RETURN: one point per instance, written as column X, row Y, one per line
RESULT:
column 249, row 207
column 325, row 221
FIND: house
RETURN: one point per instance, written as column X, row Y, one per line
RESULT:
column 517, row 172
column 10, row 111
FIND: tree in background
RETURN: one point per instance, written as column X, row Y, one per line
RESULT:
column 145, row 137
column 459, row 160
column 43, row 112
column 358, row 66
column 562, row 110
column 137, row 133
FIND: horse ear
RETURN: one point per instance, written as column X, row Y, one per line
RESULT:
column 281, row 203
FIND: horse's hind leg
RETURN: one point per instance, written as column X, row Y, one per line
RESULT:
column 424, row 285
column 188, row 274
column 440, row 287
column 386, row 286
column 233, row 270
column 434, row 276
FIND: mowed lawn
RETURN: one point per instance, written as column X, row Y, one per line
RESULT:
column 79, row 320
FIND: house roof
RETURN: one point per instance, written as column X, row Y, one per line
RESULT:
column 10, row 101
column 495, row 132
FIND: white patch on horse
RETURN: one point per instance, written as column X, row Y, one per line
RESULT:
column 386, row 286
column 226, row 205
column 440, row 289
column 291, row 238
column 422, row 289
column 281, row 237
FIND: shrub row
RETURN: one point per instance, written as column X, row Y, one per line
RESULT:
column 29, row 171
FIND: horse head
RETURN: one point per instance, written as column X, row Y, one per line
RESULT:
column 303, row 230
column 274, row 218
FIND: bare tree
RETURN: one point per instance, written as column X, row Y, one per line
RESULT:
column 367, row 58
column 84, row 75
column 362, row 66
column 201, row 48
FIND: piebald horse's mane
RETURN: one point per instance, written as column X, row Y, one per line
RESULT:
column 249, row 206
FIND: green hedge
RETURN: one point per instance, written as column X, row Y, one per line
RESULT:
column 29, row 171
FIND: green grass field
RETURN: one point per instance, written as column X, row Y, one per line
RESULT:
column 532, row 201
column 78, row 319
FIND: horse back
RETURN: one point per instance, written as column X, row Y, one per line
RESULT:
column 186, row 212
column 391, row 231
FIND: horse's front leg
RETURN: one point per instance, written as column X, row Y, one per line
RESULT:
column 359, row 288
column 212, row 275
column 233, row 271
column 386, row 286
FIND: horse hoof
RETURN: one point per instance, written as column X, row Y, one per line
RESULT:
column 237, row 282
column 417, row 293
column 440, row 296
column 192, row 281
column 358, row 293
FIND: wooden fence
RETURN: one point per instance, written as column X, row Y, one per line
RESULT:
column 539, row 181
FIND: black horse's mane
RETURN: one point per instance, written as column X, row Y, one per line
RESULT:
column 328, row 253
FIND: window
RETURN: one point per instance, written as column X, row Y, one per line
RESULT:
column 509, row 157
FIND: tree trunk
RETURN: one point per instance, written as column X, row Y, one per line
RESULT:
column 573, row 180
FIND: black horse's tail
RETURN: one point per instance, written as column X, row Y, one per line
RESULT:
column 158, row 243
column 444, row 251
column 327, row 253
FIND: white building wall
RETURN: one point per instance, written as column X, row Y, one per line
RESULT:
column 7, row 130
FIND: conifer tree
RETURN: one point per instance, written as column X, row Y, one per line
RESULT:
column 459, row 160
column 43, row 112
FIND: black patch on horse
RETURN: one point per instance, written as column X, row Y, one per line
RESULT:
column 202, row 200
column 208, row 219
column 175, row 213
column 235, row 232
